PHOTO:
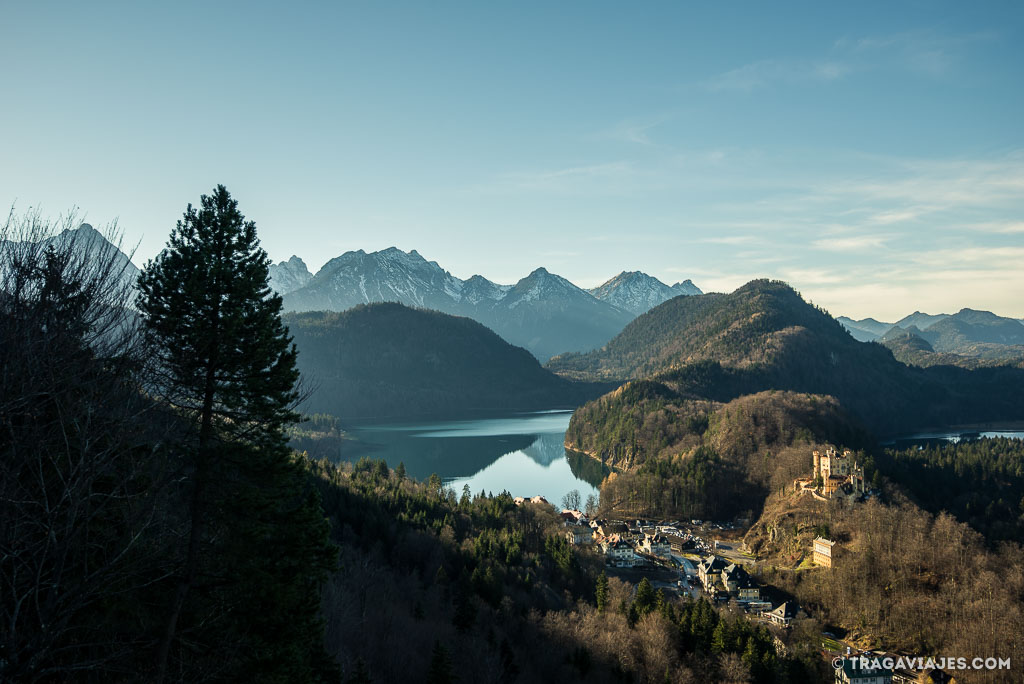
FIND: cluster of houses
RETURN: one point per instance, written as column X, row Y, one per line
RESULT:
column 625, row 545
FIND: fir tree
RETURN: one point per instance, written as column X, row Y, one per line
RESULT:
column 602, row 592
column 646, row 599
column 228, row 366
column 440, row 671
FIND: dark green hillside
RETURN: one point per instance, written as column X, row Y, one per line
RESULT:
column 764, row 336
column 388, row 360
column 934, row 475
column 743, row 329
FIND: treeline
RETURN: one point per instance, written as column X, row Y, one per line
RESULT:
column 653, row 639
column 474, row 588
column 979, row 481
column 701, row 485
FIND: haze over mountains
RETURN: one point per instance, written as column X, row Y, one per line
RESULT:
column 543, row 312
column 968, row 338
column 947, row 330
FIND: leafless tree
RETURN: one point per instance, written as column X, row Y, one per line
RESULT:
column 77, row 473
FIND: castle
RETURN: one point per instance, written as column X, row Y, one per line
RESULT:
column 834, row 473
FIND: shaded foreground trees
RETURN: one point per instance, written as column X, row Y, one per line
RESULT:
column 155, row 526
column 418, row 564
column 81, row 488
column 247, row 580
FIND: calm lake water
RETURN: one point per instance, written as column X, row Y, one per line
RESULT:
column 522, row 453
column 931, row 438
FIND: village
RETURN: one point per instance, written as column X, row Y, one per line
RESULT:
column 698, row 558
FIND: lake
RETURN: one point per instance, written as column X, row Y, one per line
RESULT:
column 942, row 436
column 522, row 453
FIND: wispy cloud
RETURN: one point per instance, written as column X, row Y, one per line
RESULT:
column 570, row 179
column 997, row 227
column 884, row 218
column 853, row 243
column 637, row 131
column 812, row 276
column 993, row 257
column 728, row 240
column 926, row 53
column 764, row 73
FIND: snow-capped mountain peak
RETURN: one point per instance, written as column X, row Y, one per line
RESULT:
column 543, row 312
column 290, row 275
column 637, row 292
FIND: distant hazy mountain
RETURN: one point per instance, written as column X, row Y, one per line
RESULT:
column 389, row 360
column 866, row 329
column 912, row 346
column 547, row 314
column 959, row 333
column 909, row 333
column 638, row 292
column 969, row 326
column 94, row 246
column 543, row 312
column 921, row 320
column 968, row 338
column 289, row 276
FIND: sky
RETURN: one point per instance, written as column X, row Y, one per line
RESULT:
column 870, row 154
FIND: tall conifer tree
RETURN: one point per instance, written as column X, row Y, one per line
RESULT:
column 247, row 584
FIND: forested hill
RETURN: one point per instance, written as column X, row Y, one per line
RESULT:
column 390, row 360
column 748, row 327
column 764, row 336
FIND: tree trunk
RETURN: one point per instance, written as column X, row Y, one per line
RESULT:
column 196, row 512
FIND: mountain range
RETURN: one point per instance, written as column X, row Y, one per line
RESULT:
column 543, row 312
column 968, row 338
column 638, row 292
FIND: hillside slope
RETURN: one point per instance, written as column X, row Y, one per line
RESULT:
column 389, row 360
column 764, row 336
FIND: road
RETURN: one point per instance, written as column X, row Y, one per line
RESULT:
column 732, row 553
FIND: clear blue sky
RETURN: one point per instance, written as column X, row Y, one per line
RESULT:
column 870, row 154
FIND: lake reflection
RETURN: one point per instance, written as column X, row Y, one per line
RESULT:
column 523, row 454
